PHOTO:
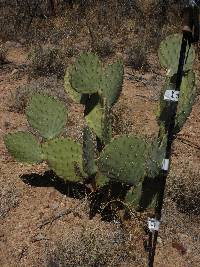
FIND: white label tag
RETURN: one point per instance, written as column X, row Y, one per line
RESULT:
column 165, row 165
column 153, row 224
column 171, row 95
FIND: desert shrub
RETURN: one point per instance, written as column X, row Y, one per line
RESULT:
column 9, row 198
column 96, row 244
column 3, row 55
column 49, row 85
column 184, row 189
column 47, row 60
column 103, row 47
column 136, row 56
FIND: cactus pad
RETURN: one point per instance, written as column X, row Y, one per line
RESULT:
column 112, row 82
column 101, row 180
column 47, row 115
column 98, row 119
column 124, row 159
column 156, row 155
column 106, row 124
column 169, row 52
column 23, row 147
column 186, row 100
column 89, row 164
column 133, row 195
column 144, row 195
column 94, row 118
column 64, row 156
column 75, row 96
column 86, row 74
column 188, row 92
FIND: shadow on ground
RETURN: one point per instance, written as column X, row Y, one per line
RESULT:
column 106, row 201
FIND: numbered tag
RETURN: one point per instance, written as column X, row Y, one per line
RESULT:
column 165, row 165
column 153, row 224
column 171, row 95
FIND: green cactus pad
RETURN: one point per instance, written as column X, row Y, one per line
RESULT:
column 64, row 156
column 98, row 119
column 101, row 180
column 94, row 118
column 86, row 74
column 23, row 147
column 46, row 115
column 144, row 195
column 186, row 100
column 112, row 82
column 73, row 94
column 156, row 155
column 106, row 124
column 89, row 164
column 162, row 112
column 169, row 52
column 133, row 195
column 124, row 159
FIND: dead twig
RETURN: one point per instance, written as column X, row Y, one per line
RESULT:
column 58, row 216
column 187, row 142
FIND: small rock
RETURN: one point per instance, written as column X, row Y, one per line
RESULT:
column 39, row 237
column 14, row 71
column 159, row 240
column 53, row 205
column 148, row 76
column 11, row 44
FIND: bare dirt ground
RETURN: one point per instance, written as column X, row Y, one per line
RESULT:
column 29, row 235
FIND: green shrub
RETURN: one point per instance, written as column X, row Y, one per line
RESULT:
column 47, row 60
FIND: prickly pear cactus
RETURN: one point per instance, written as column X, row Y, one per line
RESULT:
column 94, row 115
column 188, row 93
column 112, row 81
column 64, row 156
column 106, row 123
column 133, row 196
column 46, row 115
column 86, row 74
column 89, row 164
column 97, row 88
column 187, row 98
column 23, row 147
column 169, row 52
column 101, row 180
column 156, row 154
column 144, row 195
column 124, row 159
column 98, row 119
column 75, row 96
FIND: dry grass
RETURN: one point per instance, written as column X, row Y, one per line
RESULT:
column 47, row 85
column 47, row 60
column 136, row 56
column 184, row 189
column 9, row 198
column 3, row 55
column 92, row 244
